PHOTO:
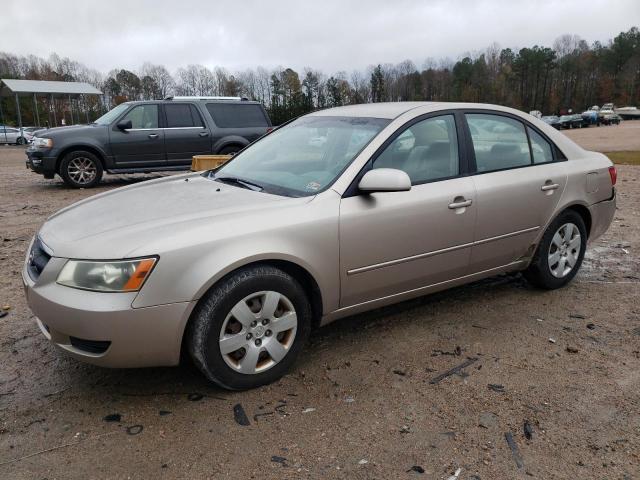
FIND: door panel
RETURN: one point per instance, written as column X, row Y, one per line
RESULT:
column 143, row 143
column 516, row 200
column 185, row 134
column 406, row 232
column 512, row 202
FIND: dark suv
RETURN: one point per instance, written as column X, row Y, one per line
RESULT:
column 147, row 136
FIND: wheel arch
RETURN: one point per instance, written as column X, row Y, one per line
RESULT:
column 584, row 212
column 79, row 148
column 297, row 271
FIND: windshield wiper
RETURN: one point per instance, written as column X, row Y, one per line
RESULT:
column 243, row 183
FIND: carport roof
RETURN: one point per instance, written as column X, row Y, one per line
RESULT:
column 9, row 87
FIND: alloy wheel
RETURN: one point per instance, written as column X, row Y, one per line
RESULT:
column 82, row 170
column 258, row 332
column 564, row 250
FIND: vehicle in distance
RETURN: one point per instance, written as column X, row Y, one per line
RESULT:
column 552, row 120
column 235, row 266
column 149, row 136
column 10, row 135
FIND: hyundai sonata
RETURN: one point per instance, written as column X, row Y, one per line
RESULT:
column 340, row 211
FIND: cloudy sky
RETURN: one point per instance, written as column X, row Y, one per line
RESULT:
column 331, row 35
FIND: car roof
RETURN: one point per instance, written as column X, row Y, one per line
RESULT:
column 393, row 110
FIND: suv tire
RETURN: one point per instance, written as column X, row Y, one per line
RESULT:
column 248, row 330
column 560, row 252
column 81, row 169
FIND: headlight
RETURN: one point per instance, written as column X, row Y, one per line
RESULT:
column 42, row 142
column 116, row 276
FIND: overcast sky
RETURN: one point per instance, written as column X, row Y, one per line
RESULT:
column 331, row 35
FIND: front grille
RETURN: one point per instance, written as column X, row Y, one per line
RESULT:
column 90, row 346
column 38, row 259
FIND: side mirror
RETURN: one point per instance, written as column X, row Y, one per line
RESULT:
column 125, row 125
column 385, row 180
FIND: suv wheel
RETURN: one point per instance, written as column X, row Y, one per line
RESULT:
column 560, row 253
column 231, row 149
column 81, row 169
column 248, row 330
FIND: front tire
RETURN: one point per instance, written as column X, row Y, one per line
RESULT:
column 249, row 329
column 560, row 252
column 21, row 141
column 81, row 169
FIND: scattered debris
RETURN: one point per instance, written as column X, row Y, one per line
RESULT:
column 363, row 462
column 134, row 429
column 58, row 447
column 281, row 460
column 577, row 315
column 488, row 420
column 515, row 452
column 3, row 313
column 349, row 399
column 496, row 387
column 456, row 352
column 113, row 417
column 195, row 397
column 552, row 340
column 416, row 468
column 397, row 371
column 240, row 416
column 455, row 475
column 264, row 414
column 163, row 413
column 453, row 371
column 405, row 429
column 572, row 349
column 591, row 326
column 528, row 430
column 309, row 410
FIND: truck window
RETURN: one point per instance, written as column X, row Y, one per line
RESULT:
column 181, row 115
column 237, row 115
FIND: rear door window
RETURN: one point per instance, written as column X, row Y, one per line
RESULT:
column 498, row 142
column 182, row 115
column 541, row 149
column 237, row 115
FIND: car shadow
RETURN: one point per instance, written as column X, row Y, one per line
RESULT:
column 185, row 380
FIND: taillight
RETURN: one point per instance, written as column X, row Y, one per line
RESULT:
column 613, row 173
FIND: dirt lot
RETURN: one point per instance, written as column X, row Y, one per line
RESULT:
column 360, row 403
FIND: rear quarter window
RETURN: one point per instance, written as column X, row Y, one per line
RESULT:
column 237, row 115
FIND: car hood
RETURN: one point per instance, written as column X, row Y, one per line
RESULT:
column 138, row 218
column 57, row 132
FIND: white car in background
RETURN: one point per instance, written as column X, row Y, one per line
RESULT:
column 14, row 136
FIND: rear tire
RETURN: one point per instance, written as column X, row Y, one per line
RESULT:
column 230, row 150
column 81, row 169
column 560, row 252
column 248, row 330
column 20, row 141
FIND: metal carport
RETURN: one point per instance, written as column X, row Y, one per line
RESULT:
column 52, row 89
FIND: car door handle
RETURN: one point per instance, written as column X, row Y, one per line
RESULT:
column 460, row 204
column 549, row 186
column 204, row 134
column 153, row 135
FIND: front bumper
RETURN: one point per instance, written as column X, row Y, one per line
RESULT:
column 42, row 162
column 602, row 214
column 103, row 328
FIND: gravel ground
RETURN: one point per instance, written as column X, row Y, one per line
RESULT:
column 362, row 402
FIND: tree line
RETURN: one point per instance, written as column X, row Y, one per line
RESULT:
column 569, row 75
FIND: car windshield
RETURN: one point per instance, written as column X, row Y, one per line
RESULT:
column 302, row 158
column 112, row 114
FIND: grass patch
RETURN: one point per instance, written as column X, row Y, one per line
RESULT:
column 624, row 158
